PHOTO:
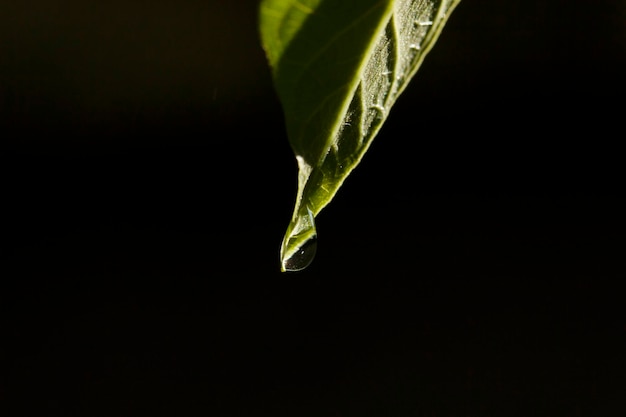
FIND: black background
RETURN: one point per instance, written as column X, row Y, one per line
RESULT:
column 473, row 265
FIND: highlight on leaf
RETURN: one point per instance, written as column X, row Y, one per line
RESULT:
column 338, row 67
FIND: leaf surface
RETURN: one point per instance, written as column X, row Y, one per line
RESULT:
column 338, row 67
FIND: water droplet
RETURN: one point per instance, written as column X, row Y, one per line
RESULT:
column 300, row 243
column 302, row 257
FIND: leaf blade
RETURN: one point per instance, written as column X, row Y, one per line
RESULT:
column 338, row 68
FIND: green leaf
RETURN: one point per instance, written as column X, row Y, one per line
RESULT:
column 338, row 67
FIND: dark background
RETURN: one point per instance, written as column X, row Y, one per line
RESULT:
column 473, row 265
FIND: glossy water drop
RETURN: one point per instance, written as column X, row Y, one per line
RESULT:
column 300, row 243
column 302, row 257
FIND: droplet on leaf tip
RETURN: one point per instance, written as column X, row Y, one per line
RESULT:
column 302, row 257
